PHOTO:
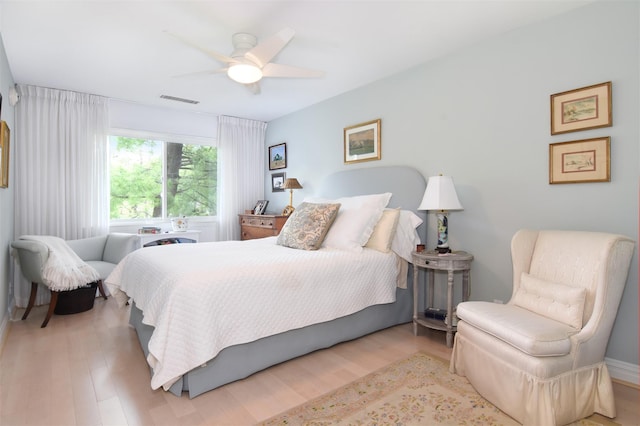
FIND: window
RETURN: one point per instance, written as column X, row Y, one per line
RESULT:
column 153, row 179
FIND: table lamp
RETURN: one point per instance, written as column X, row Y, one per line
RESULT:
column 441, row 196
column 290, row 184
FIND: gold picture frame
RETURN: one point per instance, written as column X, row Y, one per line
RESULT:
column 362, row 142
column 5, row 138
column 587, row 160
column 580, row 109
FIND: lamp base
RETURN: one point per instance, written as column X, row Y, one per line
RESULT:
column 288, row 210
column 443, row 233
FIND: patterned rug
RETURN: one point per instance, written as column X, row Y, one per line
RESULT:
column 417, row 390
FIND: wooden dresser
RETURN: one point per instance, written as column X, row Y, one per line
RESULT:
column 259, row 226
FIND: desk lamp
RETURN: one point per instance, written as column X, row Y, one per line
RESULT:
column 441, row 196
column 290, row 184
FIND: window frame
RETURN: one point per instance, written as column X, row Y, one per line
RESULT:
column 164, row 138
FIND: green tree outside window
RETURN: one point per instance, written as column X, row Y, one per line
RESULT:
column 137, row 177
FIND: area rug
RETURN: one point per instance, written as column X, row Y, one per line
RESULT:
column 416, row 390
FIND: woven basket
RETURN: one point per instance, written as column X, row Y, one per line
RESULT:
column 76, row 301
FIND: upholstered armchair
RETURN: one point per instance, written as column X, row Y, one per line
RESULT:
column 102, row 253
column 540, row 357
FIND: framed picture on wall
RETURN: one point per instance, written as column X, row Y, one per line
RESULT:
column 277, row 182
column 585, row 160
column 5, row 137
column 580, row 109
column 278, row 156
column 362, row 142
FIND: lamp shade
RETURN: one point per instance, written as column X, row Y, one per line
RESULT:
column 440, row 195
column 291, row 183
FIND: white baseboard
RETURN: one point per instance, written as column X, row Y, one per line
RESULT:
column 5, row 323
column 624, row 371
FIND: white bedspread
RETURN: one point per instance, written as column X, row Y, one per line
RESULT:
column 204, row 297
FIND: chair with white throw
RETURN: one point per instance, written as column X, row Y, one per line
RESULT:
column 67, row 265
column 540, row 357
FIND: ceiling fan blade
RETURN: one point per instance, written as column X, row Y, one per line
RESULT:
column 253, row 87
column 201, row 73
column 267, row 49
column 284, row 71
column 213, row 54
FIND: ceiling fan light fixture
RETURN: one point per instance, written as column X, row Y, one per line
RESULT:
column 244, row 73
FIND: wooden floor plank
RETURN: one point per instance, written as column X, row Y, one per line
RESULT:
column 88, row 369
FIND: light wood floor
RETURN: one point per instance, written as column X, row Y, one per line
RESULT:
column 88, row 369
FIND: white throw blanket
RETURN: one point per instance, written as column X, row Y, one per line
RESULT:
column 63, row 270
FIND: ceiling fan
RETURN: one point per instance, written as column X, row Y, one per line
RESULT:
column 250, row 62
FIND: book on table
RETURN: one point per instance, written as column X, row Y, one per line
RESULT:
column 435, row 313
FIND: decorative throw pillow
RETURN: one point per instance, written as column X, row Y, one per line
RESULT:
column 384, row 231
column 559, row 302
column 307, row 226
column 356, row 219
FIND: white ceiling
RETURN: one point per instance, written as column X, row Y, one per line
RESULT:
column 120, row 49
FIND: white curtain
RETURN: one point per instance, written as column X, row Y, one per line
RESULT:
column 241, row 169
column 61, row 169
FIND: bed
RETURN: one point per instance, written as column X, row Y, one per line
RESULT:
column 260, row 328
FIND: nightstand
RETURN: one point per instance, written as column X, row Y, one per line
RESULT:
column 260, row 226
column 431, row 261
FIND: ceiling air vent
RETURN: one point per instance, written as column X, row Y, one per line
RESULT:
column 175, row 98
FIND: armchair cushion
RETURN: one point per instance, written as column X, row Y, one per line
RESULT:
column 103, row 268
column 559, row 302
column 88, row 248
column 104, row 252
column 525, row 330
column 118, row 245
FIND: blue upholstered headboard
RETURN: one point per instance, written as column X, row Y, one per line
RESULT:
column 405, row 183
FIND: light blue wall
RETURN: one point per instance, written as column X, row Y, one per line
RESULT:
column 6, row 195
column 482, row 116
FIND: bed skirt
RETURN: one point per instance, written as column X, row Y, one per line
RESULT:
column 240, row 361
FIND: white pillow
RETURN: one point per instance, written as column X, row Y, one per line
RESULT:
column 406, row 238
column 384, row 231
column 356, row 219
column 559, row 302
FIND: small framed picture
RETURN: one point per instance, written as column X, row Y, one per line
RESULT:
column 585, row 160
column 260, row 207
column 362, row 142
column 5, row 137
column 278, row 156
column 277, row 182
column 581, row 109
